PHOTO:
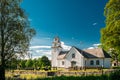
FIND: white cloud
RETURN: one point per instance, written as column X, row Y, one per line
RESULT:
column 38, row 51
column 65, row 47
column 94, row 46
column 94, row 24
column 90, row 48
column 48, row 52
column 34, row 47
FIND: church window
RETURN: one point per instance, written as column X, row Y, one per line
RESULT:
column 97, row 62
column 73, row 55
column 62, row 62
column 91, row 62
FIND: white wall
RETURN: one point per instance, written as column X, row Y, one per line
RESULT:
column 107, row 63
column 60, row 63
column 94, row 60
column 78, row 58
column 55, row 53
column 104, row 62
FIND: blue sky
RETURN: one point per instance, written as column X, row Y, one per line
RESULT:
column 76, row 22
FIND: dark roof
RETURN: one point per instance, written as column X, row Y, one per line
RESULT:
column 106, row 54
column 62, row 54
column 88, row 53
column 93, row 53
column 85, row 54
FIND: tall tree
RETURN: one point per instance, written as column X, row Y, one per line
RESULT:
column 110, row 35
column 15, row 32
column 29, row 63
column 45, row 62
column 22, row 64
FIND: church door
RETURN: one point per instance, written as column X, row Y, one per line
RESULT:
column 73, row 63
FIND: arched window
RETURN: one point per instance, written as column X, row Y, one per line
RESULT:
column 73, row 55
column 97, row 62
column 91, row 62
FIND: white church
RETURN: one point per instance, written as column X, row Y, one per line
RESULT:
column 91, row 58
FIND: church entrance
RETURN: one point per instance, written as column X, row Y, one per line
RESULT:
column 73, row 63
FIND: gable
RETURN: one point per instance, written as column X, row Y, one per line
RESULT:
column 85, row 54
column 62, row 54
column 73, row 51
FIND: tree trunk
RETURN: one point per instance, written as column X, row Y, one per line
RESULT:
column 2, row 70
column 2, row 73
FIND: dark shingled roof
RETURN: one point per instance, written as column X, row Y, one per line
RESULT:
column 85, row 54
column 93, row 53
column 62, row 54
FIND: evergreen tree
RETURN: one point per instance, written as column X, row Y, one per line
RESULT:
column 110, row 35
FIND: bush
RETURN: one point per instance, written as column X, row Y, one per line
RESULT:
column 116, row 67
column 115, row 75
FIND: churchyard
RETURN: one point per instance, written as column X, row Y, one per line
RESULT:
column 41, row 74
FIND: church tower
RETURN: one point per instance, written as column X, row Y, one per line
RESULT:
column 56, row 48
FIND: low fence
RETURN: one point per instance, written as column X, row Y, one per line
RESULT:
column 65, row 73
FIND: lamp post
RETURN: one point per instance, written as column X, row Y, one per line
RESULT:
column 102, row 69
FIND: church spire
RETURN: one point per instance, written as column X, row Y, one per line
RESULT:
column 56, row 49
column 56, row 43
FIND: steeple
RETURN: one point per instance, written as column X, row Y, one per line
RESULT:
column 56, row 49
column 56, row 43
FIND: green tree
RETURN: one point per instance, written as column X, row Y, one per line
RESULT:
column 45, row 62
column 110, row 35
column 35, row 63
column 12, row 64
column 15, row 32
column 29, row 63
column 22, row 64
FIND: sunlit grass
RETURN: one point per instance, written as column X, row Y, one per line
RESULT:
column 26, row 76
column 34, row 74
column 31, row 76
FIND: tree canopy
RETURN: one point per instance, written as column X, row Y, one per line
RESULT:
column 45, row 61
column 15, row 32
column 110, row 34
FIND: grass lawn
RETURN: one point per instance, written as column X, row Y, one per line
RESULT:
column 31, row 75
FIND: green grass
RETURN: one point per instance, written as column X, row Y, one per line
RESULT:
column 111, row 76
column 75, row 78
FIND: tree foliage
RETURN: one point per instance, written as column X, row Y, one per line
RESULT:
column 45, row 61
column 39, row 63
column 15, row 32
column 110, row 35
column 22, row 64
column 29, row 63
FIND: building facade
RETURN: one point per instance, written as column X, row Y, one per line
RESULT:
column 90, row 58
